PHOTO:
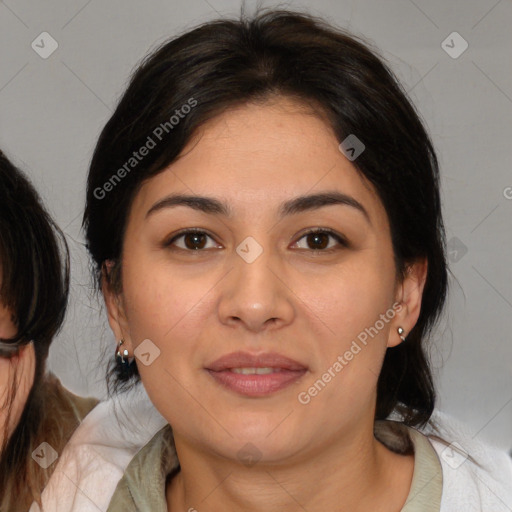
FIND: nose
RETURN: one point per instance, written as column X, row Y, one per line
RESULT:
column 256, row 295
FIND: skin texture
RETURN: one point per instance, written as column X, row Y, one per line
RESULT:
column 23, row 365
column 308, row 305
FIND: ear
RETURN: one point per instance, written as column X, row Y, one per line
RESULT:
column 115, row 307
column 409, row 295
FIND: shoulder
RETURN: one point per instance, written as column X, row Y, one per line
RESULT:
column 57, row 396
column 142, row 486
column 477, row 476
column 58, row 413
column 99, row 451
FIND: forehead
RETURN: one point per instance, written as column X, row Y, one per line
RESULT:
column 257, row 156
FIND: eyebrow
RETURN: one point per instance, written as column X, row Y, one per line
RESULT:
column 212, row 206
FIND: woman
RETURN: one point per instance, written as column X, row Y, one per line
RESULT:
column 37, row 415
column 264, row 214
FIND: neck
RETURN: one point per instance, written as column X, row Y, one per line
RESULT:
column 359, row 476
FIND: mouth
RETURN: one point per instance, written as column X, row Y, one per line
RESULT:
column 255, row 375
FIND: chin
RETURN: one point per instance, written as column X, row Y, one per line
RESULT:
column 265, row 451
column 263, row 442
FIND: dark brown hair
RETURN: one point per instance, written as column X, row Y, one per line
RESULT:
column 227, row 63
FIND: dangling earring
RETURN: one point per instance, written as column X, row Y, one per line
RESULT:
column 124, row 354
column 400, row 331
column 122, row 359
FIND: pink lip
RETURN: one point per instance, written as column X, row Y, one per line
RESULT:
column 287, row 372
column 246, row 360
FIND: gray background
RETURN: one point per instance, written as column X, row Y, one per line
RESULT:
column 52, row 110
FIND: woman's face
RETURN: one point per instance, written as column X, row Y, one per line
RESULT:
column 23, row 365
column 253, row 283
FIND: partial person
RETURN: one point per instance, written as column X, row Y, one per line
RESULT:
column 37, row 414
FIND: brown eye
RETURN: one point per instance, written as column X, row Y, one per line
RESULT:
column 318, row 240
column 193, row 240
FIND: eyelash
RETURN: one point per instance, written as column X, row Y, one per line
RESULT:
column 340, row 239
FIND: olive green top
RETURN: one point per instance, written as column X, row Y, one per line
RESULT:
column 143, row 485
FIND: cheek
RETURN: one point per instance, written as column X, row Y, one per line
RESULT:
column 160, row 304
column 171, row 309
column 6, row 381
column 7, row 327
column 171, row 316
column 4, row 386
column 346, row 309
column 349, row 298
